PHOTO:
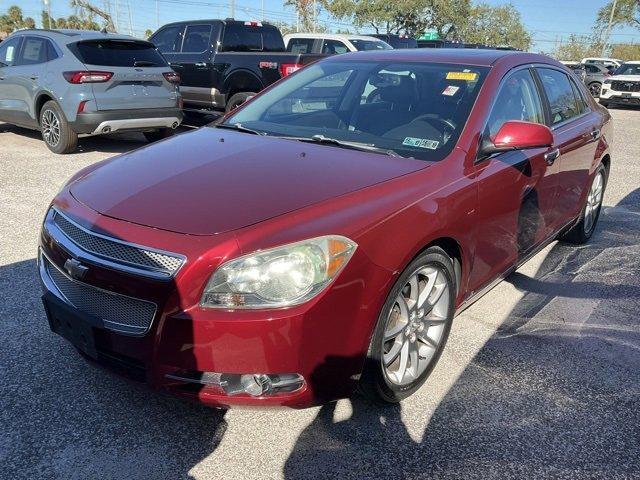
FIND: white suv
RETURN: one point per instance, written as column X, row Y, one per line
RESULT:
column 623, row 87
column 332, row 43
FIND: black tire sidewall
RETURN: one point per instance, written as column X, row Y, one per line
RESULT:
column 237, row 99
column 374, row 382
column 68, row 138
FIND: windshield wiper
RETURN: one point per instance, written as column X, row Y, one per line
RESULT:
column 239, row 128
column 143, row 63
column 363, row 147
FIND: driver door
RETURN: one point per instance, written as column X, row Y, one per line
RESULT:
column 517, row 190
column 9, row 93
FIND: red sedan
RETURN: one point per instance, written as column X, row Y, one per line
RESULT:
column 322, row 237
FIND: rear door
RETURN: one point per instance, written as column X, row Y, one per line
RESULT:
column 137, row 69
column 10, row 92
column 576, row 129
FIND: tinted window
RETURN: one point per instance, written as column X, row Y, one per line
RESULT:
column 593, row 69
column 9, row 51
column 169, row 39
column 582, row 103
column 34, row 51
column 245, row 38
column 628, row 69
column 415, row 109
column 333, row 47
column 370, row 45
column 560, row 94
column 517, row 99
column 197, row 39
column 300, row 45
column 117, row 53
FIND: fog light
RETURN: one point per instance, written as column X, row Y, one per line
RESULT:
column 255, row 385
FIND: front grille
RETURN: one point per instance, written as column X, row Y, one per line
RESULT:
column 116, row 250
column 119, row 312
column 621, row 86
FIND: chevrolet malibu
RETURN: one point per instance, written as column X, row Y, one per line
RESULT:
column 321, row 238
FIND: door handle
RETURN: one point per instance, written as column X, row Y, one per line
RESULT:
column 1, row 78
column 551, row 156
column 201, row 64
column 595, row 134
column 33, row 77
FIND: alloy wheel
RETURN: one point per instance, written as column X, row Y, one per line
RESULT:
column 415, row 326
column 594, row 201
column 50, row 127
column 595, row 88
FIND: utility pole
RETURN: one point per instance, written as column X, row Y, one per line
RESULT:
column 117, row 22
column 233, row 8
column 157, row 14
column 47, row 5
column 605, row 43
column 262, row 10
column 130, row 19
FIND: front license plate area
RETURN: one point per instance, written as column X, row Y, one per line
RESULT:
column 72, row 325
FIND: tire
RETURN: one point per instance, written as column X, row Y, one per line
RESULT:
column 594, row 89
column 238, row 99
column 383, row 379
column 159, row 134
column 581, row 232
column 604, row 103
column 56, row 131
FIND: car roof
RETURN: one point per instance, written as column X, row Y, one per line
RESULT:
column 69, row 36
column 477, row 57
column 331, row 36
column 632, row 62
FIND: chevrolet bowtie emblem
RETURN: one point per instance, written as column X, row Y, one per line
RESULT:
column 75, row 269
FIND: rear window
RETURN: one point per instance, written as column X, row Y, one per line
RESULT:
column 362, row 45
column 118, row 53
column 239, row 37
column 300, row 45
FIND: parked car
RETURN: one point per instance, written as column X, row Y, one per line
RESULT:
column 66, row 83
column 623, row 87
column 398, row 41
column 596, row 74
column 607, row 62
column 332, row 43
column 316, row 241
column 443, row 44
column 222, row 63
column 577, row 68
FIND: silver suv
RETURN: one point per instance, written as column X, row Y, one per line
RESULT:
column 66, row 83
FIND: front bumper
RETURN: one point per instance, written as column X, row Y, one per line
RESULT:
column 110, row 121
column 324, row 342
column 609, row 97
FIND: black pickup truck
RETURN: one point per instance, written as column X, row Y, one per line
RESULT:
column 223, row 62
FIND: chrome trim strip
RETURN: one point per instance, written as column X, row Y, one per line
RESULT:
column 52, row 287
column 77, row 251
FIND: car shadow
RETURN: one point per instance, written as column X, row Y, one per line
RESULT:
column 553, row 393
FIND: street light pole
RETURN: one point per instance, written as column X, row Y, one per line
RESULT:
column 608, row 31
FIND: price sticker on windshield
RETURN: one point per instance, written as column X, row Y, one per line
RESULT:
column 421, row 143
column 467, row 76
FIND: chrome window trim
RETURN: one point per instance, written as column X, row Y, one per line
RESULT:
column 77, row 251
column 52, row 287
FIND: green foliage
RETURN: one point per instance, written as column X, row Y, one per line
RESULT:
column 577, row 48
column 626, row 52
column 308, row 11
column 13, row 20
column 497, row 26
column 627, row 14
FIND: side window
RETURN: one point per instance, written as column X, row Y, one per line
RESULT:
column 333, row 47
column 9, row 52
column 52, row 53
column 300, row 45
column 517, row 99
column 560, row 94
column 583, row 106
column 197, row 39
column 34, row 51
column 169, row 39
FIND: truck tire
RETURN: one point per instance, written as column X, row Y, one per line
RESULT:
column 56, row 131
column 238, row 99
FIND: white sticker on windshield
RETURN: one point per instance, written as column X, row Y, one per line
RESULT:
column 451, row 90
column 421, row 143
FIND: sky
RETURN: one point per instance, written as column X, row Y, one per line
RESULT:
column 550, row 21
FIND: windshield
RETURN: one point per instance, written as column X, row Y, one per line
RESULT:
column 413, row 109
column 118, row 53
column 629, row 69
column 362, row 45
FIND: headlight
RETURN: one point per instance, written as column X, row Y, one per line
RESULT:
column 279, row 277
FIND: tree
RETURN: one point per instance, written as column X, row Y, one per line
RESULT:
column 147, row 33
column 577, row 48
column 626, row 52
column 307, row 11
column 13, row 20
column 497, row 26
column 627, row 13
column 92, row 10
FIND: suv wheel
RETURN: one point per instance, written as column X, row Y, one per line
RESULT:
column 581, row 232
column 594, row 89
column 160, row 134
column 238, row 99
column 56, row 132
column 412, row 329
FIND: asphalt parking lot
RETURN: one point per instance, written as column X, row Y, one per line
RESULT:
column 539, row 378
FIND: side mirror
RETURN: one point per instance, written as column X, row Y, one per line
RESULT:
column 517, row 135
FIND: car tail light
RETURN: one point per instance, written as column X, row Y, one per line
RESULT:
column 172, row 77
column 289, row 68
column 180, row 103
column 87, row 77
column 81, row 106
column 253, row 24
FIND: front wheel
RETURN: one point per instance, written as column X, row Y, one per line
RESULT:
column 56, row 131
column 412, row 329
column 594, row 89
column 581, row 232
column 238, row 99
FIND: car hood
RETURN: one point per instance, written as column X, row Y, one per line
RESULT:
column 625, row 78
column 211, row 181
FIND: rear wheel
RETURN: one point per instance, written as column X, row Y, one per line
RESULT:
column 581, row 232
column 159, row 134
column 412, row 329
column 594, row 89
column 56, row 132
column 238, row 99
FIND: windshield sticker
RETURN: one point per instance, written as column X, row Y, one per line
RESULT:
column 468, row 76
column 421, row 143
column 451, row 90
